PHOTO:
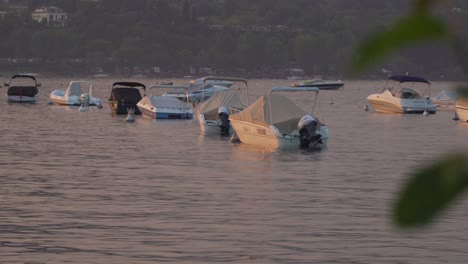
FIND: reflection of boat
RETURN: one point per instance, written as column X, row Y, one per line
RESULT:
column 396, row 98
column 200, row 90
column 163, row 107
column 124, row 96
column 22, row 88
column 277, row 122
column 213, row 114
column 444, row 99
column 74, row 95
column 321, row 84
column 461, row 107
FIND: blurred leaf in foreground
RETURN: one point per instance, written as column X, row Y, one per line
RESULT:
column 421, row 5
column 431, row 189
column 419, row 26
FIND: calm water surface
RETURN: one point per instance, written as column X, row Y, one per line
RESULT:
column 87, row 187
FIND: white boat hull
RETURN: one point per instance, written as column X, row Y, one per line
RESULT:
column 211, row 127
column 21, row 99
column 58, row 97
column 462, row 112
column 164, row 112
column 270, row 137
column 389, row 104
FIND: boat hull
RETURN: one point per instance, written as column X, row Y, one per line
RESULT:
column 211, row 127
column 270, row 137
column 165, row 113
column 462, row 111
column 21, row 99
column 121, row 108
column 393, row 105
column 58, row 97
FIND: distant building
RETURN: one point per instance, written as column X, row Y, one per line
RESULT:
column 260, row 28
column 216, row 27
column 281, row 28
column 53, row 16
column 238, row 28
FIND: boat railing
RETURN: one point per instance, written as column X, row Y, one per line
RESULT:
column 234, row 111
column 229, row 79
column 294, row 89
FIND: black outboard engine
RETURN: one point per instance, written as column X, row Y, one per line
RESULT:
column 307, row 126
column 224, row 123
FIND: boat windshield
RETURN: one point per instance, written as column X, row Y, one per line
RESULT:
column 407, row 90
column 407, row 93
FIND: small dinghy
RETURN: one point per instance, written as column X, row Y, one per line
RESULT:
column 74, row 95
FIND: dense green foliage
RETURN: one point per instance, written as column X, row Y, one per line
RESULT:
column 435, row 187
column 123, row 35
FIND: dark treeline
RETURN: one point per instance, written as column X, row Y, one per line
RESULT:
column 258, row 37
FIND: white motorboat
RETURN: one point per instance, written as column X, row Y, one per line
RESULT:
column 400, row 95
column 163, row 107
column 22, row 88
column 276, row 122
column 125, row 96
column 321, row 84
column 75, row 94
column 461, row 108
column 200, row 89
column 213, row 114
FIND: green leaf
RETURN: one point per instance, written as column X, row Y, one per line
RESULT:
column 420, row 5
column 431, row 190
column 417, row 27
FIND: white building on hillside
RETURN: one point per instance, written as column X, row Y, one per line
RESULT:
column 53, row 16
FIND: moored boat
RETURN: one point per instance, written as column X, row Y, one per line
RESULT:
column 400, row 95
column 200, row 89
column 22, row 88
column 125, row 96
column 321, row 84
column 163, row 107
column 213, row 114
column 76, row 95
column 276, row 122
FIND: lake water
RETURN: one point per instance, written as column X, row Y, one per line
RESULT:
column 87, row 187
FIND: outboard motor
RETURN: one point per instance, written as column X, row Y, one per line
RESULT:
column 307, row 126
column 84, row 99
column 224, row 123
column 130, row 115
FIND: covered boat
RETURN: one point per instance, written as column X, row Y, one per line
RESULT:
column 400, row 95
column 274, row 121
column 77, row 93
column 163, row 107
column 125, row 96
column 22, row 88
column 213, row 114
